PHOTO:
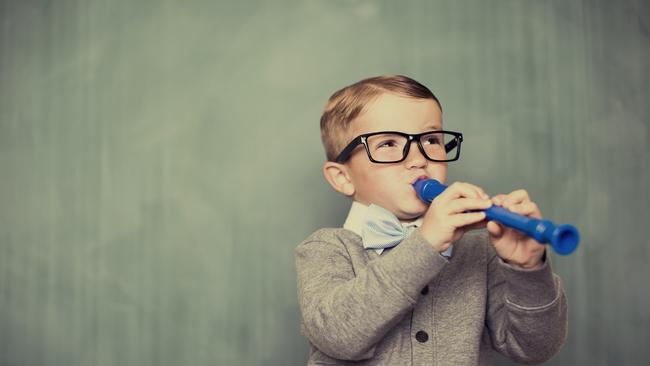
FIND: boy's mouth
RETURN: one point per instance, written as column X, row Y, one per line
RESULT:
column 418, row 178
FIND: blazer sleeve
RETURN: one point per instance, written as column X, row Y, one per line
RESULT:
column 346, row 311
column 526, row 310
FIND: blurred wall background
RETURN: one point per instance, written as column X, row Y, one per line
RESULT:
column 160, row 160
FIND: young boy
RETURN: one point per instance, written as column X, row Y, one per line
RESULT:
column 403, row 283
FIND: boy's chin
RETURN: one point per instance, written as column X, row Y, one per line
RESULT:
column 412, row 213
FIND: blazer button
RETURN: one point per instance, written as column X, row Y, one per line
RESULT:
column 425, row 290
column 422, row 336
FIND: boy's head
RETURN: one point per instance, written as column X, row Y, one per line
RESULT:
column 381, row 104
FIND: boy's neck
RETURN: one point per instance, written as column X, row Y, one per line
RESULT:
column 402, row 221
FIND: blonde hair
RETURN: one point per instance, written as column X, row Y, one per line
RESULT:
column 348, row 103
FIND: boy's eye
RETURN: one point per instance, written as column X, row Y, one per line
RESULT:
column 387, row 143
column 431, row 140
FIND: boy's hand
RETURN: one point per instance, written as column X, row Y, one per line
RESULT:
column 446, row 220
column 511, row 245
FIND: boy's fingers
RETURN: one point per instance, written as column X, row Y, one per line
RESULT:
column 517, row 196
column 461, row 189
column 494, row 228
column 498, row 199
column 527, row 209
column 465, row 219
column 465, row 204
column 480, row 193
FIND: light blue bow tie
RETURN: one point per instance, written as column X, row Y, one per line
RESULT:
column 382, row 229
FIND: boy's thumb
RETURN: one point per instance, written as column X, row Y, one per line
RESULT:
column 495, row 229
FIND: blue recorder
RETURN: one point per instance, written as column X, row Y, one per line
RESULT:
column 563, row 238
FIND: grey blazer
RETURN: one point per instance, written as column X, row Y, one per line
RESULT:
column 412, row 306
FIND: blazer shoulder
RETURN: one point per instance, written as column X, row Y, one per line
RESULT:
column 331, row 236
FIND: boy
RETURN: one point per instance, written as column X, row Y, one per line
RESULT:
column 402, row 283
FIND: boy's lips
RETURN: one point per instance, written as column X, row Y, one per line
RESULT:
column 418, row 178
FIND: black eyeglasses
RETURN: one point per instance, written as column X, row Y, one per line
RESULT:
column 393, row 147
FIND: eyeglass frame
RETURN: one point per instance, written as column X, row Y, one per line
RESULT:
column 362, row 139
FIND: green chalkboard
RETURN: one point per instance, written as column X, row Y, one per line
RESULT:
column 160, row 160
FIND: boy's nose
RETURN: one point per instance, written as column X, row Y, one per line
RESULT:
column 415, row 158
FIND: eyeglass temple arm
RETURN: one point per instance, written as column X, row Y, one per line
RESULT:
column 348, row 149
column 452, row 144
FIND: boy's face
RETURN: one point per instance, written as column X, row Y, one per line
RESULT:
column 390, row 185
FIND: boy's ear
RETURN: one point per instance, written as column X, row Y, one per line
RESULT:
column 337, row 176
